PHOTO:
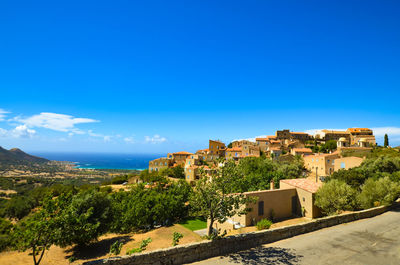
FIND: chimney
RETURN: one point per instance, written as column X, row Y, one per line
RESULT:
column 272, row 185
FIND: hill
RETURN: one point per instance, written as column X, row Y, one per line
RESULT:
column 17, row 156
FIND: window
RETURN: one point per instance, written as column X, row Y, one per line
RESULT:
column 165, row 163
column 328, row 160
column 235, row 154
column 260, row 208
column 192, row 157
column 342, row 165
column 187, row 176
column 316, row 160
column 312, row 159
column 189, row 162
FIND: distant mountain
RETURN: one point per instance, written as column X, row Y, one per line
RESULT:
column 16, row 155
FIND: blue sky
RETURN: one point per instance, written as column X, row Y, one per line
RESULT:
column 158, row 76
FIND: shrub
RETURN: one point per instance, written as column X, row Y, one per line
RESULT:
column 335, row 196
column 378, row 192
column 263, row 224
column 116, row 247
column 176, row 237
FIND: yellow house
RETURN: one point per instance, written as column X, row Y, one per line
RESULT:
column 320, row 165
column 294, row 198
column 347, row 162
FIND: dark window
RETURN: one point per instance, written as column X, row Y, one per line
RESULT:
column 261, row 208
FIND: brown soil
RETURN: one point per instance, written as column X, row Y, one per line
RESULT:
column 161, row 238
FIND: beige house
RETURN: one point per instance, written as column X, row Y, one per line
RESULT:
column 179, row 157
column 263, row 144
column 347, row 162
column 361, row 137
column 326, row 135
column 216, row 148
column 320, row 165
column 160, row 163
column 294, row 198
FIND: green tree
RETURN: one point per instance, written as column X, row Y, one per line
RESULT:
column 378, row 192
column 18, row 207
column 335, row 196
column 211, row 200
column 39, row 231
column 85, row 218
column 386, row 141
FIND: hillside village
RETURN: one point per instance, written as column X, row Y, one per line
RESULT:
column 294, row 197
column 284, row 145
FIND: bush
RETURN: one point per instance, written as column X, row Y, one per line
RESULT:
column 263, row 224
column 378, row 192
column 335, row 196
column 87, row 217
column 176, row 237
column 116, row 247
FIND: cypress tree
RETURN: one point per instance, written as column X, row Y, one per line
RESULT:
column 386, row 142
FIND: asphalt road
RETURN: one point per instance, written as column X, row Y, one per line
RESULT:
column 370, row 241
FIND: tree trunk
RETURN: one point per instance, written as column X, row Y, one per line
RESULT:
column 210, row 227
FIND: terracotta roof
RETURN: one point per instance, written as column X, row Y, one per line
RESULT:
column 262, row 139
column 304, row 184
column 359, row 130
column 302, row 150
column 271, row 136
column 182, row 153
column 323, row 154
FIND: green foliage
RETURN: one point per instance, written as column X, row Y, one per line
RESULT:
column 116, row 247
column 5, row 232
column 335, row 196
column 386, row 141
column 142, row 247
column 176, row 237
column 85, row 218
column 194, row 224
column 212, row 200
column 263, row 224
column 145, row 243
column 133, row 251
column 18, row 207
column 40, row 230
column 329, row 146
column 256, row 173
column 142, row 208
column 378, row 192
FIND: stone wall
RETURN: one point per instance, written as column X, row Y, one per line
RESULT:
column 231, row 244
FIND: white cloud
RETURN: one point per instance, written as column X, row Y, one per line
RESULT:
column 107, row 138
column 22, row 131
column 3, row 132
column 391, row 131
column 55, row 121
column 129, row 140
column 3, row 114
column 156, row 139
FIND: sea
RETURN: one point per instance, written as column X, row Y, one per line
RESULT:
column 103, row 160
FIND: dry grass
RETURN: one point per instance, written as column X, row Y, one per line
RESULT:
column 161, row 238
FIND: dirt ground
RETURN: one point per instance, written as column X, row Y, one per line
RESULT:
column 161, row 238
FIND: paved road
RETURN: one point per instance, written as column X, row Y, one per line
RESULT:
column 369, row 241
